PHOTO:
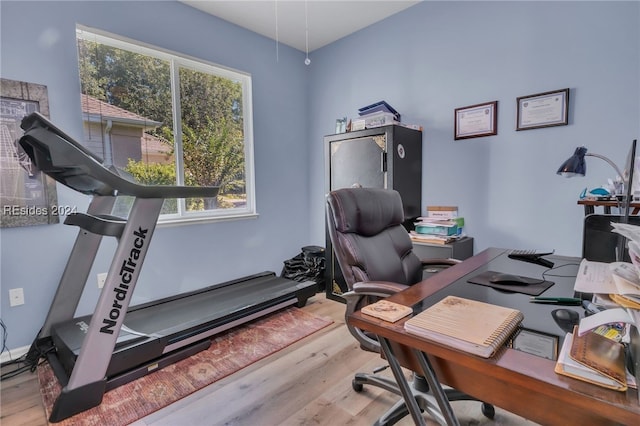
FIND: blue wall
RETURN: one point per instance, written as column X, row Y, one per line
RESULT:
column 437, row 56
column 38, row 45
column 425, row 61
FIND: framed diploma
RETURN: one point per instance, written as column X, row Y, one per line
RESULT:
column 537, row 343
column 543, row 110
column 476, row 121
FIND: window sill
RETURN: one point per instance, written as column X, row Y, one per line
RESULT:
column 206, row 219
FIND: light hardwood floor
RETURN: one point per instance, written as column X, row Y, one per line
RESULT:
column 307, row 383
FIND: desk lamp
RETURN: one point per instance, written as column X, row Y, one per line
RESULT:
column 576, row 166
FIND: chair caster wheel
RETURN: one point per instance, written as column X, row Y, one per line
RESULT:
column 356, row 386
column 488, row 410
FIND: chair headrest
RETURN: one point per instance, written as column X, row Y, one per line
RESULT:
column 365, row 211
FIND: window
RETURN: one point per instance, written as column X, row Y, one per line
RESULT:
column 166, row 119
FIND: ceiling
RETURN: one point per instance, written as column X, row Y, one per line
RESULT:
column 325, row 20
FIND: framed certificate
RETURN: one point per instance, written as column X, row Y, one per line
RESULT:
column 543, row 110
column 476, row 121
column 537, row 343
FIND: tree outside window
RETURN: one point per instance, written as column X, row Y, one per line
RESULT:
column 164, row 120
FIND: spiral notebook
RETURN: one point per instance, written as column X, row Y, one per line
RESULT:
column 469, row 325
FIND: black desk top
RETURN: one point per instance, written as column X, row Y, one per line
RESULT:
column 536, row 316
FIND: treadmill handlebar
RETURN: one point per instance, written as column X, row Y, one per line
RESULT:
column 58, row 155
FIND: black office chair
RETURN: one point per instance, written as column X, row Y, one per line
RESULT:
column 376, row 257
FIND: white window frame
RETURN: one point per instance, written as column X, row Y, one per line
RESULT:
column 177, row 60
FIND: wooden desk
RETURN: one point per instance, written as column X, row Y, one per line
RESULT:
column 516, row 381
column 590, row 206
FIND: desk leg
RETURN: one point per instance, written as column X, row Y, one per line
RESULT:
column 436, row 388
column 405, row 390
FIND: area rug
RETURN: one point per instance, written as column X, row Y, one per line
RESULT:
column 229, row 352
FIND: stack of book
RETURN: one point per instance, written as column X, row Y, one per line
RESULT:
column 379, row 114
column 437, row 230
column 379, row 107
column 375, row 115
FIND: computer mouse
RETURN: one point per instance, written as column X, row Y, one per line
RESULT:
column 566, row 319
column 508, row 279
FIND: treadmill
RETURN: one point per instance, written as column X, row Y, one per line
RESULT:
column 119, row 343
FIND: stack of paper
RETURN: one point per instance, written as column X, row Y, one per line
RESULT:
column 616, row 286
column 433, row 239
column 617, row 281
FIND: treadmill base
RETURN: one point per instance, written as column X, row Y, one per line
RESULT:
column 136, row 356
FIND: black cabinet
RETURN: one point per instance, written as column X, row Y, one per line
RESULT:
column 383, row 157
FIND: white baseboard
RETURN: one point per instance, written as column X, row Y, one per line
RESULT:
column 13, row 354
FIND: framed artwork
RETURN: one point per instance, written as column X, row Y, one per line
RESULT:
column 27, row 196
column 543, row 110
column 476, row 121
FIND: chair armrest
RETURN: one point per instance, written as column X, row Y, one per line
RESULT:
column 444, row 262
column 364, row 293
column 378, row 288
column 433, row 266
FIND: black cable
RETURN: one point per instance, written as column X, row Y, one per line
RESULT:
column 15, row 372
column 23, row 363
column 41, row 354
column 545, row 273
column 4, row 337
column 20, row 360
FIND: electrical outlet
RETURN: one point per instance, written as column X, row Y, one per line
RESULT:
column 16, row 296
column 101, row 279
